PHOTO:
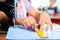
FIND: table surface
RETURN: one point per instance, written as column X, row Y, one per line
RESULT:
column 19, row 32
column 54, row 17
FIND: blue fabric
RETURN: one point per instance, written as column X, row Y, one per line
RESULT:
column 19, row 32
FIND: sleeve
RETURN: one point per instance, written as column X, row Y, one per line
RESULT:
column 27, row 4
column 21, row 10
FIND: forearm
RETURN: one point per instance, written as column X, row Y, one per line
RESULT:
column 34, row 13
column 3, row 17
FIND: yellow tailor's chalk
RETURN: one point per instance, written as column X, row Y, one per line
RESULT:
column 40, row 33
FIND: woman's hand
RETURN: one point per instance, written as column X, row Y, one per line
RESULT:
column 45, row 19
column 29, row 22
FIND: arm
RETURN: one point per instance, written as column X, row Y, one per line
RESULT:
column 52, row 2
column 30, row 9
column 27, row 22
column 3, row 17
column 33, row 12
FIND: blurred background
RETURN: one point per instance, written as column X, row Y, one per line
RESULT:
column 51, row 6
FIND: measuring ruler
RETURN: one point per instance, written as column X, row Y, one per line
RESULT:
column 41, row 33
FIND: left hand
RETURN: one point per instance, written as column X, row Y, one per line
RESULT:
column 44, row 18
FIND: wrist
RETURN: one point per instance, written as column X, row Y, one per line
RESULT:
column 38, row 16
column 19, row 21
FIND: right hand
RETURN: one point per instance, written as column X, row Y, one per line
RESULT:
column 29, row 22
column 44, row 18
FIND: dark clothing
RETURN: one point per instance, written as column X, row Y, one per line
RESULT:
column 5, row 7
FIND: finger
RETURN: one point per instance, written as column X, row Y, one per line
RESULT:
column 25, row 26
column 41, row 27
column 47, row 27
column 51, row 27
column 50, row 21
column 42, row 24
column 28, row 24
column 34, row 26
